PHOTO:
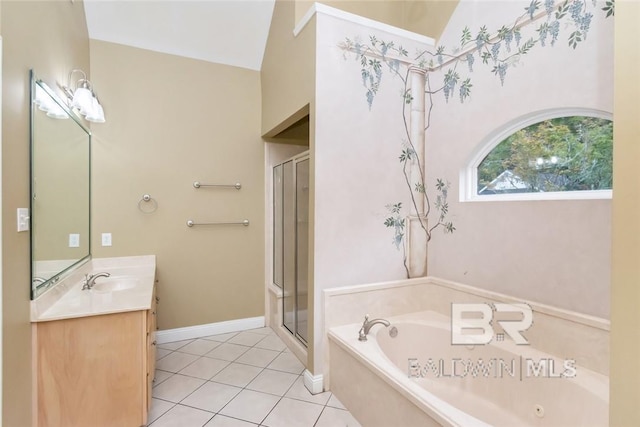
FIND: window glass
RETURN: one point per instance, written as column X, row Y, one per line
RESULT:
column 561, row 154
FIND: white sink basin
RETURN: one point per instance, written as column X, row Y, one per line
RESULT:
column 115, row 284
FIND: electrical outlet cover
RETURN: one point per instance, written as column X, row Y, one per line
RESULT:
column 106, row 239
column 23, row 219
column 74, row 240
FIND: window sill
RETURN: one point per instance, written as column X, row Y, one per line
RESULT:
column 552, row 195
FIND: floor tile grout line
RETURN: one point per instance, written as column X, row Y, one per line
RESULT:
column 197, row 388
column 176, row 349
column 319, row 415
column 196, row 354
column 164, row 413
column 224, row 342
column 212, row 376
column 245, row 388
column 193, row 407
column 187, row 365
column 279, row 400
column 221, row 360
column 175, row 373
column 283, row 395
column 199, row 357
column 213, row 414
column 236, row 418
column 216, row 413
column 263, row 368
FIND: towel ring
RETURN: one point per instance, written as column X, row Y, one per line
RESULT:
column 147, row 209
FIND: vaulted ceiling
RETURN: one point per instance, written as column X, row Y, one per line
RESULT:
column 231, row 32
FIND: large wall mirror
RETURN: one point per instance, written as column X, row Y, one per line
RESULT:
column 60, row 188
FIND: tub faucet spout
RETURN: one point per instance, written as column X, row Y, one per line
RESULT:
column 367, row 324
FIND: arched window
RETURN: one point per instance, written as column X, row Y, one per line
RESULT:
column 558, row 155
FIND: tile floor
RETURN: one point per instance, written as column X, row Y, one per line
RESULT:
column 241, row 379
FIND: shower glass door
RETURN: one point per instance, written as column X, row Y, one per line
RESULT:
column 289, row 247
column 291, row 242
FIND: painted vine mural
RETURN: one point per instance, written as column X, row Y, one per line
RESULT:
column 498, row 52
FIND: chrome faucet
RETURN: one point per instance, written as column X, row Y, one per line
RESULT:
column 90, row 280
column 367, row 324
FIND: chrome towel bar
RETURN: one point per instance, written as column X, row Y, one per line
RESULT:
column 191, row 223
column 237, row 185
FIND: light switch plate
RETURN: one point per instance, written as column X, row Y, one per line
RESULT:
column 106, row 239
column 23, row 219
column 74, row 240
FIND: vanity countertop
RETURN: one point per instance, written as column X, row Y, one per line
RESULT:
column 128, row 288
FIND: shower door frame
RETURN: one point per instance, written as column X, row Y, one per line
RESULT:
column 294, row 185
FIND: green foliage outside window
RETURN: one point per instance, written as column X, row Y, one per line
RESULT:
column 563, row 154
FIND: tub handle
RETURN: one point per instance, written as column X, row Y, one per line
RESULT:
column 362, row 336
column 393, row 332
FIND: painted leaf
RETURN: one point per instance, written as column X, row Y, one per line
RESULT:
column 466, row 36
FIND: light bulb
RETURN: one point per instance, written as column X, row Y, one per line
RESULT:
column 96, row 113
column 82, row 100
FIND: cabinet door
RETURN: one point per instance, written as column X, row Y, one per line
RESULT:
column 89, row 371
column 151, row 347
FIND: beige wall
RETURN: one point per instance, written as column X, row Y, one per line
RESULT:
column 288, row 71
column 288, row 94
column 625, row 292
column 172, row 121
column 427, row 17
column 50, row 37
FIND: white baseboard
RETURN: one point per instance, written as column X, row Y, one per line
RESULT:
column 199, row 331
column 313, row 383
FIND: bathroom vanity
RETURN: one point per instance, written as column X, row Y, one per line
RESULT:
column 94, row 350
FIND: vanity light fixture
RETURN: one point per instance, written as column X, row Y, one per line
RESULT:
column 83, row 98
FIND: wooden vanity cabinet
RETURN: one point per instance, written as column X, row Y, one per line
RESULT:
column 95, row 371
